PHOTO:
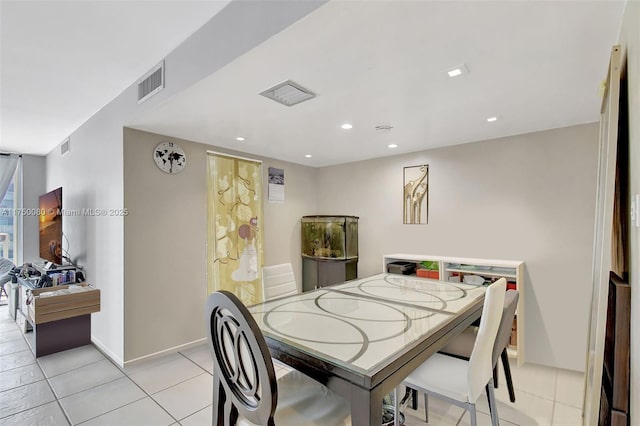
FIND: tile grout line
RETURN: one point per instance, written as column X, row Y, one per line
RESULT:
column 30, row 408
column 64, row 412
column 132, row 402
column 21, row 366
column 68, row 371
column 72, row 369
column 37, row 364
column 555, row 395
column 174, row 385
column 533, row 394
column 277, row 367
column 160, row 390
column 57, row 400
column 201, row 367
column 55, row 395
column 111, row 411
column 85, row 390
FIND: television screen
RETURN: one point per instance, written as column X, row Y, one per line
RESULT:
column 51, row 226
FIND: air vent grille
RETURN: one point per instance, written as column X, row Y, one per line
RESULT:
column 65, row 147
column 288, row 93
column 151, row 83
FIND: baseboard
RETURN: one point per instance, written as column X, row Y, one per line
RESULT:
column 164, row 352
column 102, row 348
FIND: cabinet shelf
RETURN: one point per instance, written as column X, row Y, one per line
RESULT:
column 449, row 267
column 482, row 272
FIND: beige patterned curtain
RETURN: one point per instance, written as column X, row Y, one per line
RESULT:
column 235, row 226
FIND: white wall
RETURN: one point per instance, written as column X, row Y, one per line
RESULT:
column 92, row 173
column 630, row 40
column 165, row 236
column 33, row 186
column 91, row 177
column 529, row 197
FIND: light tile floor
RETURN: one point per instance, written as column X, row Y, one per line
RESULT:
column 82, row 386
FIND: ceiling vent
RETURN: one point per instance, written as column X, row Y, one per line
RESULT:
column 385, row 128
column 288, row 93
column 151, row 83
column 65, row 147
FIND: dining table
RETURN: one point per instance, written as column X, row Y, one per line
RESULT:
column 362, row 338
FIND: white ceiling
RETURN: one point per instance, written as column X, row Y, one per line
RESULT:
column 64, row 60
column 537, row 65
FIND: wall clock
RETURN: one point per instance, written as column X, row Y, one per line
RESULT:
column 169, row 157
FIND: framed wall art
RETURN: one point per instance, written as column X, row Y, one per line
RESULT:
column 416, row 195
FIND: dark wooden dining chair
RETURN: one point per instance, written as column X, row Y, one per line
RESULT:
column 244, row 381
column 462, row 345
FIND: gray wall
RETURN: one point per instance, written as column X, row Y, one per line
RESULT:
column 630, row 40
column 165, row 235
column 34, row 177
column 529, row 197
column 92, row 173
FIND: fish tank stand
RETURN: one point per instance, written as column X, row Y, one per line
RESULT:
column 329, row 250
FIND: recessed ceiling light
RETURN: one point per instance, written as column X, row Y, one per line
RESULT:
column 492, row 119
column 239, row 138
column 347, row 126
column 308, row 156
column 459, row 70
column 392, row 145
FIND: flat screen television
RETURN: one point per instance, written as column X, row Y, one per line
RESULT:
column 51, row 226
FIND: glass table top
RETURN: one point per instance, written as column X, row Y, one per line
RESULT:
column 420, row 292
column 361, row 324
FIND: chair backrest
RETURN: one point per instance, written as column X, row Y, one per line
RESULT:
column 480, row 365
column 506, row 323
column 5, row 267
column 278, row 281
column 242, row 362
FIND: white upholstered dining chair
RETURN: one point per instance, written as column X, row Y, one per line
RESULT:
column 245, row 389
column 462, row 345
column 278, row 281
column 459, row 381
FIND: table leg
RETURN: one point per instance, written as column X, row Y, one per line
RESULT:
column 366, row 408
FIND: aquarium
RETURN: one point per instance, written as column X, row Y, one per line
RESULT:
column 330, row 237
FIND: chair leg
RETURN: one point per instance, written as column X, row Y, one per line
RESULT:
column 495, row 376
column 219, row 398
column 396, row 407
column 486, row 389
column 426, row 407
column 494, row 406
column 472, row 414
column 507, row 374
column 414, row 399
column 408, row 396
column 230, row 413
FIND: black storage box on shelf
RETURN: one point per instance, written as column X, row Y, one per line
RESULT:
column 404, row 268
